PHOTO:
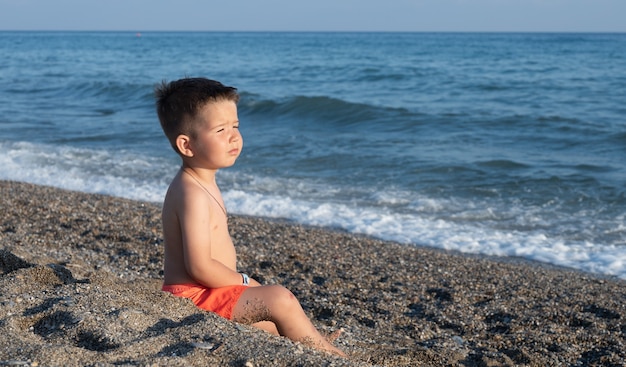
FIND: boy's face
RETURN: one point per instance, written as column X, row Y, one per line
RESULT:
column 218, row 142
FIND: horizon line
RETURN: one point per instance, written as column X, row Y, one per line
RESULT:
column 307, row 31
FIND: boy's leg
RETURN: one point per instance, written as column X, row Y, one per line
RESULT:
column 268, row 326
column 277, row 304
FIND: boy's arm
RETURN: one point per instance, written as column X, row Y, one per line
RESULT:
column 194, row 219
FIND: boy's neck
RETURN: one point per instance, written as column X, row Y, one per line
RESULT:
column 205, row 175
column 193, row 174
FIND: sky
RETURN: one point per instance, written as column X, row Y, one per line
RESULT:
column 316, row 15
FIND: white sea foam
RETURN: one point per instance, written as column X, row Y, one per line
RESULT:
column 440, row 223
column 464, row 236
column 122, row 175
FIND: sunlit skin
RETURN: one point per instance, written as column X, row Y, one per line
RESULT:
column 198, row 246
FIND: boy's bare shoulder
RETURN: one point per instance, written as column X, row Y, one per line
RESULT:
column 174, row 191
column 183, row 192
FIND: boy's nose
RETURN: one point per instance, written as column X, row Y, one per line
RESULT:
column 236, row 135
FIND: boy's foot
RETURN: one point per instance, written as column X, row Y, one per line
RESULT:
column 334, row 335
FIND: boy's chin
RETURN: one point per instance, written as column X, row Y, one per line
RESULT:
column 231, row 163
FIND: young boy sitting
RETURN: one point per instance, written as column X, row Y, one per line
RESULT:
column 199, row 118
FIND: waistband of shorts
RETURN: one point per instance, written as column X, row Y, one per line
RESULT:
column 178, row 288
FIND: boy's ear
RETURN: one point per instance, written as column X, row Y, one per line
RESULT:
column 183, row 143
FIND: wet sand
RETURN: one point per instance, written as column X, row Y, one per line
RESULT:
column 80, row 278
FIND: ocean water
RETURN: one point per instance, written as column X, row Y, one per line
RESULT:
column 499, row 144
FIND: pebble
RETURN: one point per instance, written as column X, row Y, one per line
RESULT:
column 202, row 345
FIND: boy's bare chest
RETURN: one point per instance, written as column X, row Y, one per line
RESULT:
column 222, row 247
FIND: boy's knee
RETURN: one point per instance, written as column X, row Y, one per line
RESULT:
column 283, row 296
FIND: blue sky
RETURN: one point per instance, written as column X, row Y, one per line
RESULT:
column 316, row 15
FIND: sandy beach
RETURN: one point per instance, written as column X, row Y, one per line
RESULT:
column 80, row 278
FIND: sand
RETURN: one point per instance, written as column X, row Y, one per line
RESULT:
column 80, row 278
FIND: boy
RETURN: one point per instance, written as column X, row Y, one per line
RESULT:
column 199, row 118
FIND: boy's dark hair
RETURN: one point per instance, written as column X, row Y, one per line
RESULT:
column 179, row 102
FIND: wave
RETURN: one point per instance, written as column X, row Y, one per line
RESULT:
column 502, row 164
column 112, row 89
column 118, row 173
column 619, row 138
column 321, row 109
column 95, row 92
column 469, row 231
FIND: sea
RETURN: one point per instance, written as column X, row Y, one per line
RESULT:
column 506, row 144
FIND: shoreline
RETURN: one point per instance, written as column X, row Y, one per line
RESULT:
column 80, row 280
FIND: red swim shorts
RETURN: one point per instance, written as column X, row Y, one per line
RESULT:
column 219, row 300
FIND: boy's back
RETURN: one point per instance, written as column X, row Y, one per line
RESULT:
column 186, row 199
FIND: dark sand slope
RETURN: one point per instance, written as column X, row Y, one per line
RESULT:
column 79, row 285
